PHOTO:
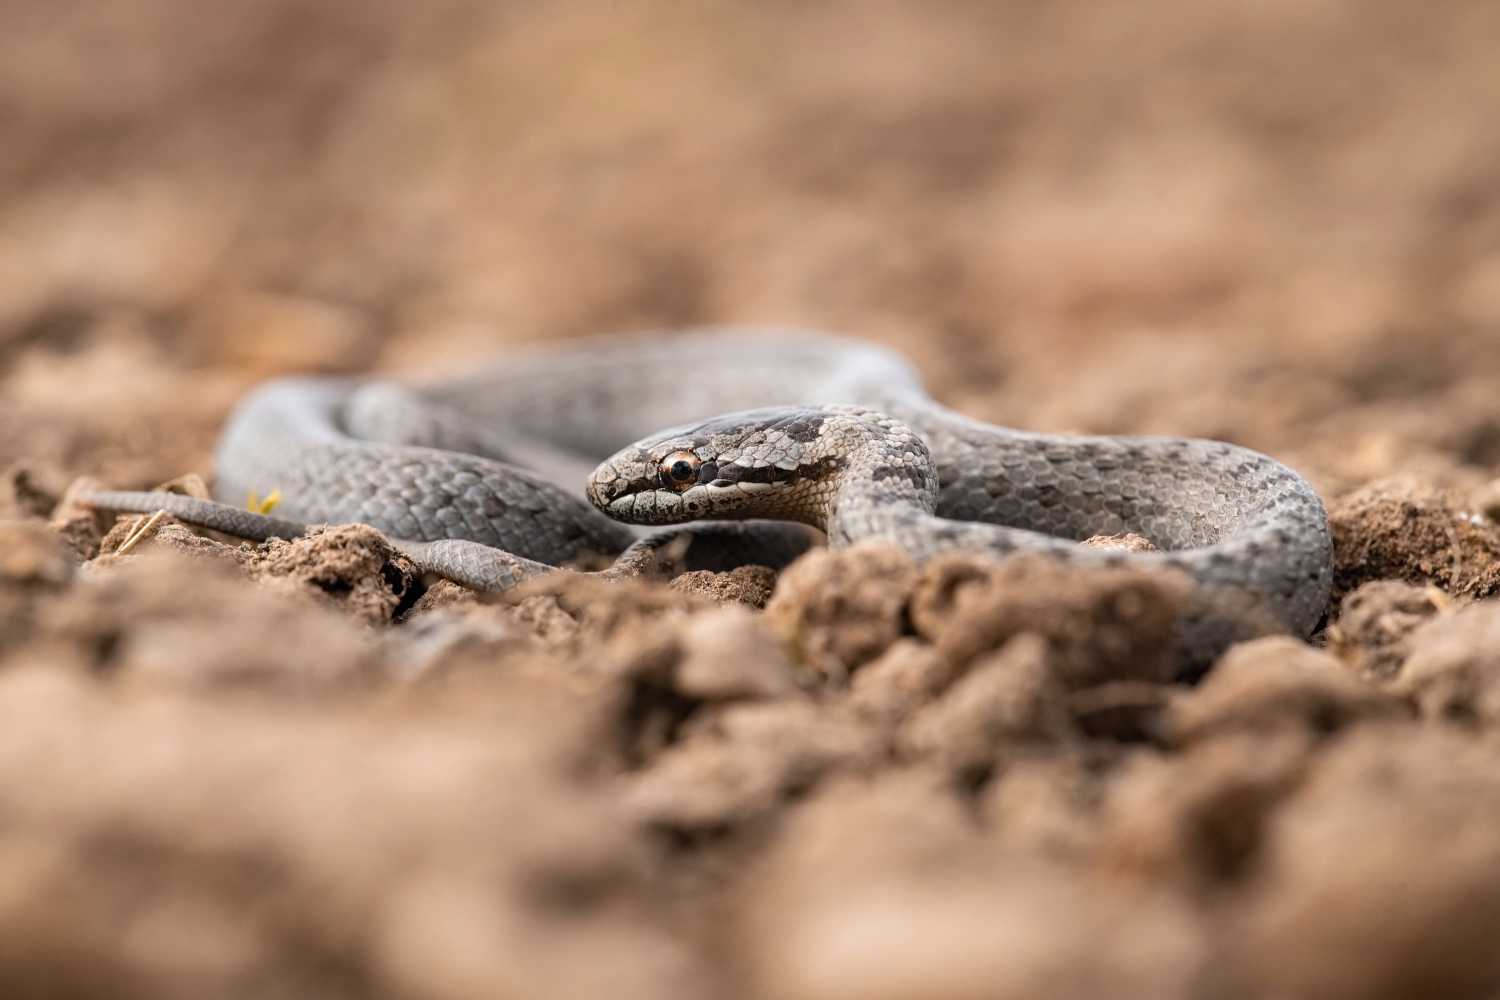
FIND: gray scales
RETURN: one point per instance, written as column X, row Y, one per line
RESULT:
column 482, row 478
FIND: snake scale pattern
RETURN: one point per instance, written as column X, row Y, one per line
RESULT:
column 485, row 478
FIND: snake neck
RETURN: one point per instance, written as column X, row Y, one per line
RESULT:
column 889, row 477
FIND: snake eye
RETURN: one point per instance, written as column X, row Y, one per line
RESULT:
column 679, row 470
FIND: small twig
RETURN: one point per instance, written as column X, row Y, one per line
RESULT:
column 140, row 533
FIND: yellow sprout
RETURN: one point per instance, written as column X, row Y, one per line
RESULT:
column 265, row 506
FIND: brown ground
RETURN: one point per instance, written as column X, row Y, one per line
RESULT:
column 291, row 773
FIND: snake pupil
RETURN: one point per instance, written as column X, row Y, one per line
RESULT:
column 679, row 470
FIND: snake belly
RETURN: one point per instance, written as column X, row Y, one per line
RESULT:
column 494, row 461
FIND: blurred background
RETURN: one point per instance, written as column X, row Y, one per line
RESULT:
column 1271, row 221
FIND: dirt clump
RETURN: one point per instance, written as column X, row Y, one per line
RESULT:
column 1128, row 542
column 163, row 619
column 1395, row 530
column 748, row 585
column 80, row 527
column 1276, row 683
column 1107, row 625
column 1453, row 670
column 1245, row 736
column 740, row 764
column 730, row 655
column 883, row 888
column 34, row 566
column 353, row 565
column 840, row 610
column 1195, row 820
column 1006, row 700
column 29, row 490
column 30, row 554
column 1340, row 908
column 898, row 682
column 121, row 817
column 1376, row 622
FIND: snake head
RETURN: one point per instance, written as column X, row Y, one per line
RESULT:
column 775, row 463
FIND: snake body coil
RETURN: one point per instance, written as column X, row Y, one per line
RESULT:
column 479, row 476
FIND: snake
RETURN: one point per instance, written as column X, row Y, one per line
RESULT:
column 747, row 437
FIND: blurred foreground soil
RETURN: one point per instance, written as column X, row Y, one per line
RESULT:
column 299, row 771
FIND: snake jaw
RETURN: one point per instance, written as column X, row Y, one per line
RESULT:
column 640, row 502
column 706, row 501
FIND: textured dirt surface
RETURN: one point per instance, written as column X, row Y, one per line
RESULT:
column 300, row 770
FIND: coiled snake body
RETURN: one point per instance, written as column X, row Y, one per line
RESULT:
column 479, row 477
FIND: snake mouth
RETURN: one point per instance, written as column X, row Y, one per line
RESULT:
column 661, row 506
column 719, row 498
